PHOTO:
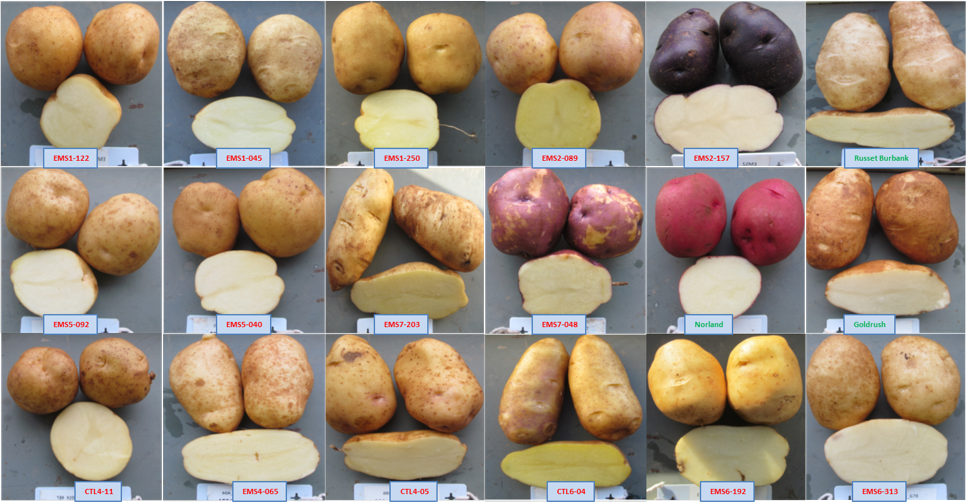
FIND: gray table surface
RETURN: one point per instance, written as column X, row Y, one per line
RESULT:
column 621, row 114
column 664, row 433
column 140, row 124
column 308, row 140
column 463, row 110
column 397, row 248
column 341, row 479
column 821, row 152
column 625, row 312
column 878, row 247
column 822, row 479
column 134, row 299
column 782, row 284
column 304, row 274
column 179, row 428
column 503, row 352
column 29, row 461
column 791, row 105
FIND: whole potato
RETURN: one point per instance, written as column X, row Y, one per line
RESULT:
column 44, row 45
column 443, row 53
column 121, row 43
column 449, row 227
column 687, row 54
column 120, row 235
column 206, row 50
column 114, row 372
column 921, row 380
column 205, row 218
column 283, row 212
column 604, row 221
column 764, row 380
column 852, row 69
column 930, row 69
column 837, row 217
column 767, row 221
column 533, row 395
column 605, row 402
column 359, row 395
column 602, row 46
column 367, row 48
column 205, row 379
column 761, row 48
column 46, row 207
column 437, row 386
column 528, row 210
column 690, row 215
column 687, row 383
column 913, row 209
column 518, row 66
column 43, row 380
column 359, row 228
column 285, row 53
column 277, row 380
column 841, row 382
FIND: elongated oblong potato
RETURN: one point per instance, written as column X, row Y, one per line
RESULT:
column 359, row 394
column 359, row 228
column 404, row 455
column 929, row 67
column 533, row 395
column 896, row 128
column 723, row 453
column 439, row 388
column 411, row 288
column 837, row 217
column 251, row 455
column 243, row 122
column 239, row 282
column 90, row 441
column 886, row 450
column 598, row 461
column 277, row 381
column 887, row 287
column 852, row 69
column 606, row 404
column 205, row 379
column 449, row 227
column 914, row 211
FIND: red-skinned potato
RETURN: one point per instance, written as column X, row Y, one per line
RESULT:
column 528, row 211
column 690, row 215
column 604, row 221
column 767, row 221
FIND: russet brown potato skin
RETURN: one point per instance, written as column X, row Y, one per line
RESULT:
column 359, row 394
column 205, row 218
column 439, row 389
column 277, row 380
column 359, row 227
column 44, row 46
column 115, row 373
column 841, row 382
column 913, row 209
column 367, row 48
column 206, row 50
column 602, row 46
column 687, row 383
column 449, row 227
column 43, row 380
column 837, row 217
column 205, row 379
column 121, row 43
column 921, row 380
column 46, row 207
column 518, row 66
column 605, row 402
column 533, row 395
column 852, row 69
column 284, row 212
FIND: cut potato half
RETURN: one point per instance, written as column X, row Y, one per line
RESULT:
column 886, row 450
column 81, row 113
column 398, row 118
column 404, row 455
column 723, row 453
column 897, row 128
column 251, row 455
column 411, row 288
column 90, row 441
column 888, row 287
column 563, row 114
column 53, row 281
column 598, row 461
column 719, row 285
column 239, row 282
column 244, row 122
column 565, row 282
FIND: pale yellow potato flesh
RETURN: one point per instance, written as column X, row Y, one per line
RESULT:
column 411, row 288
column 723, row 453
column 898, row 128
column 53, row 281
column 404, row 455
column 90, row 441
column 886, row 450
column 888, row 287
column 398, row 118
column 244, row 122
column 719, row 285
column 598, row 461
column 563, row 114
column 563, row 283
column 239, row 282
column 81, row 113
column 251, row 455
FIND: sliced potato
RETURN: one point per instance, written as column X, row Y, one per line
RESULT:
column 243, row 122
column 565, row 282
column 251, row 455
column 896, row 128
column 404, row 455
column 719, row 285
column 411, row 288
column 398, row 118
column 723, row 453
column 888, row 287
column 598, row 461
column 563, row 114
column 886, row 450
column 53, row 281
column 90, row 441
column 239, row 282
column 81, row 113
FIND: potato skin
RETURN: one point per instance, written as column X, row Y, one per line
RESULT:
column 852, row 69
column 921, row 380
column 841, row 382
column 277, row 380
column 929, row 68
column 450, row 70
column 46, row 207
column 602, row 46
column 690, row 214
column 205, row 379
column 604, row 221
column 687, row 383
column 761, row 48
column 437, row 386
column 687, row 54
column 764, row 380
column 359, row 394
column 449, row 227
column 43, row 380
column 837, row 217
column 285, row 53
column 913, row 209
column 767, row 221
column 533, row 395
column 528, row 211
column 516, row 67
column 120, row 235
column 121, row 43
column 605, row 402
column 44, row 46
column 359, row 228
column 206, row 50
column 367, row 48
column 283, row 213
column 205, row 218
column 115, row 373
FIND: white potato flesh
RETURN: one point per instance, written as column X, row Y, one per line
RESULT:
column 244, row 122
column 53, row 281
column 886, row 450
column 251, row 455
column 411, row 288
column 80, row 114
column 239, row 282
column 392, row 456
column 898, row 128
column 719, row 285
column 899, row 292
column 563, row 283
column 563, row 114
column 720, row 116
column 723, row 453
column 90, row 441
column 398, row 119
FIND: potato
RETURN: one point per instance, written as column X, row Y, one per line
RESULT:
column 283, row 212
column 598, row 461
column 438, row 387
column 533, row 395
column 841, row 382
column 252, row 455
column 564, row 282
column 913, row 209
column 837, row 217
column 121, row 43
column 359, row 394
column 359, row 228
column 399, row 118
column 687, row 54
column 606, row 404
column 205, row 379
column 53, row 281
column 690, row 215
column 516, row 67
column 563, row 114
column 852, row 69
column 528, row 209
column 43, row 380
column 205, row 219
column 921, row 380
column 206, row 50
column 443, row 53
column 449, row 227
column 120, row 235
column 896, row 128
column 411, row 288
column 277, row 380
column 285, row 53
column 46, row 207
column 687, row 383
column 930, row 69
column 602, row 46
column 719, row 285
column 886, row 450
column 44, row 45
column 761, row 48
column 90, row 441
column 81, row 113
column 604, row 221
column 239, row 282
column 723, row 453
column 767, row 221
column 764, row 380
column 367, row 48
column 404, row 455
column 115, row 373
column 887, row 287
column 243, row 122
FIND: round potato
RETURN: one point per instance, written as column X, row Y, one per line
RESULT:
column 205, row 218
column 518, row 67
column 367, row 48
column 91, row 441
column 439, row 389
column 285, row 53
column 764, row 380
column 44, row 45
column 443, row 53
column 359, row 394
column 920, row 379
column 913, row 209
column 604, row 221
column 284, row 212
column 43, row 380
column 120, row 235
column 841, row 382
column 767, row 221
column 277, row 380
column 206, row 50
column 115, row 373
column 687, row 383
column 602, row 46
column 205, row 379
column 528, row 210
column 46, row 207
column 121, row 43
column 690, row 215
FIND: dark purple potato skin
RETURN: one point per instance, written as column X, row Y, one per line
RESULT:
column 686, row 54
column 761, row 48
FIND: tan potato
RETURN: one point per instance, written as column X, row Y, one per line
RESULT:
column 283, row 212
column 606, row 404
column 81, row 113
column 43, row 380
column 44, row 45
column 115, row 373
column 359, row 228
column 90, row 441
column 285, row 53
column 252, row 455
column 404, row 455
column 46, row 207
column 206, row 50
column 121, row 43
column 602, row 46
column 533, row 395
column 852, row 69
column 841, row 382
column 367, row 48
column 120, row 235
column 449, row 227
column 920, row 378
column 518, row 66
column 764, row 380
column 205, row 218
column 53, row 281
column 438, row 387
column 913, row 209
column 205, row 379
column 443, row 53
column 277, row 380
column 687, row 383
column 359, row 394
column 837, row 217
column 928, row 66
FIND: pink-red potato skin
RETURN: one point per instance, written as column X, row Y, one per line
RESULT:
column 604, row 221
column 767, row 221
column 528, row 211
column 690, row 215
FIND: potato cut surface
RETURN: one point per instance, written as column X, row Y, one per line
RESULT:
column 563, row 283
column 563, row 114
column 888, row 287
column 898, row 128
column 81, row 113
column 723, row 453
column 244, row 122
column 398, row 119
column 404, row 455
column 886, row 450
column 598, row 461
column 251, row 455
column 239, row 282
column 411, row 288
column 90, row 441
column 53, row 281
column 719, row 285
